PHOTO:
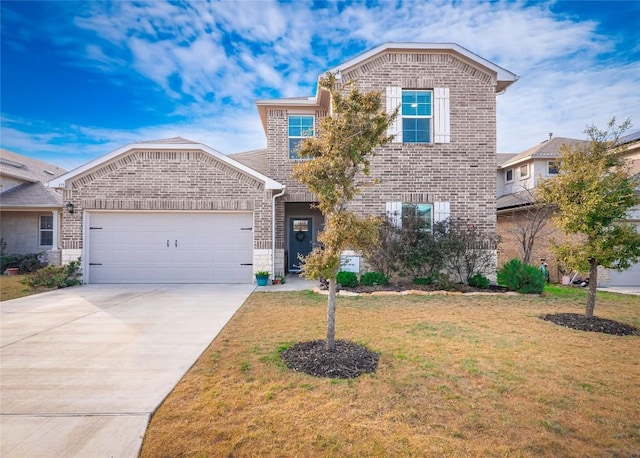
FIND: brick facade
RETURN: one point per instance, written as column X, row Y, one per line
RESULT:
column 165, row 181
column 461, row 172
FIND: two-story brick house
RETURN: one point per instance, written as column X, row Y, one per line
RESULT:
column 175, row 210
column 518, row 177
column 442, row 159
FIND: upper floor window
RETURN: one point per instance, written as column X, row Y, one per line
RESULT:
column 417, row 115
column 423, row 212
column 553, row 167
column 508, row 176
column 300, row 127
column 524, row 171
column 46, row 230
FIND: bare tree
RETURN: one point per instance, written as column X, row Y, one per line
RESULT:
column 529, row 223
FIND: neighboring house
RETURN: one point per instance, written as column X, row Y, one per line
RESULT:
column 178, row 211
column 29, row 211
column 517, row 178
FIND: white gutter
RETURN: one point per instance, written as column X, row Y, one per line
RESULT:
column 273, row 230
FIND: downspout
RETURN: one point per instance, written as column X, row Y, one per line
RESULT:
column 273, row 230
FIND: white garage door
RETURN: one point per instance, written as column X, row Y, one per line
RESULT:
column 170, row 247
column 630, row 277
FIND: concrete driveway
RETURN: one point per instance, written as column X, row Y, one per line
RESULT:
column 82, row 369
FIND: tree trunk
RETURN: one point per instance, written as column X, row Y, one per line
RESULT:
column 330, row 344
column 593, row 284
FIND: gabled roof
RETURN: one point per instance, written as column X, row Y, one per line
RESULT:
column 547, row 149
column 30, row 195
column 630, row 138
column 256, row 159
column 27, row 168
column 501, row 158
column 172, row 144
column 504, row 77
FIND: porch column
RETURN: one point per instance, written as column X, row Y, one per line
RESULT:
column 56, row 230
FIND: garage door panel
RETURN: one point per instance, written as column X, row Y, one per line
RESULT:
column 202, row 248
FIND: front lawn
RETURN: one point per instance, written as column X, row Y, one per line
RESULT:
column 11, row 287
column 457, row 376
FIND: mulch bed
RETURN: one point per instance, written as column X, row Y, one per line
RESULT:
column 593, row 324
column 406, row 286
column 349, row 360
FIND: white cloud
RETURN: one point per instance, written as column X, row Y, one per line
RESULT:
column 202, row 54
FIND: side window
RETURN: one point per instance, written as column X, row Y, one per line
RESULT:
column 300, row 127
column 508, row 176
column 46, row 230
column 553, row 167
column 421, row 211
column 524, row 171
column 417, row 116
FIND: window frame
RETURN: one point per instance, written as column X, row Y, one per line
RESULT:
column 506, row 179
column 47, row 230
column 294, row 155
column 428, row 117
column 557, row 166
column 524, row 176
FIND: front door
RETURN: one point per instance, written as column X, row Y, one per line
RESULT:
column 300, row 241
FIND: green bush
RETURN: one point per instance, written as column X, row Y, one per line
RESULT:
column 423, row 281
column 55, row 276
column 373, row 278
column 27, row 263
column 348, row 279
column 32, row 262
column 521, row 277
column 479, row 281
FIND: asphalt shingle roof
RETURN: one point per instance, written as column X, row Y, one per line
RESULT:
column 31, row 195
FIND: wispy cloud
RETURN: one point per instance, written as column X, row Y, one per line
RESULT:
column 210, row 60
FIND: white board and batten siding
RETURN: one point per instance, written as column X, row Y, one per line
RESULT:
column 178, row 247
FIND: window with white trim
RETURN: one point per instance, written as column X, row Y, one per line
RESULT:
column 524, row 171
column 423, row 116
column 46, row 230
column 435, row 212
column 300, row 127
column 419, row 211
column 417, row 115
column 508, row 175
column 553, row 167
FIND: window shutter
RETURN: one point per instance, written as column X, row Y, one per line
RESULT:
column 394, row 213
column 441, row 211
column 394, row 99
column 441, row 121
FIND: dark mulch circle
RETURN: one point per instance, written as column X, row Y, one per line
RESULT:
column 349, row 360
column 593, row 324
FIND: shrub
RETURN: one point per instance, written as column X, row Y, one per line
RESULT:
column 373, row 278
column 348, row 279
column 32, row 262
column 521, row 277
column 55, row 276
column 479, row 281
column 27, row 263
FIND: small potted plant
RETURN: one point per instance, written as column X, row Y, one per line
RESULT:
column 262, row 277
column 278, row 280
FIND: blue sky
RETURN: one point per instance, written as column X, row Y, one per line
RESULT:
column 80, row 79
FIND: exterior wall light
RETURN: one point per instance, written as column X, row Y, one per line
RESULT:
column 69, row 207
